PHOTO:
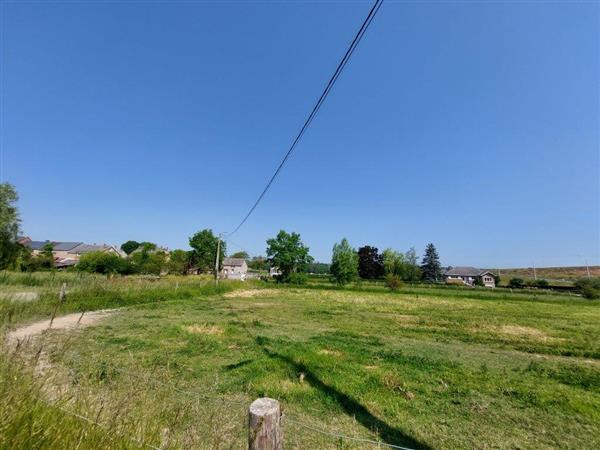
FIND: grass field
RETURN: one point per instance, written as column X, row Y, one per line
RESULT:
column 178, row 364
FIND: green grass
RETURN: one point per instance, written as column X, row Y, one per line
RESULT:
column 423, row 368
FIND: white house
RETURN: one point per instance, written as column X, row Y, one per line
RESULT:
column 470, row 275
column 234, row 269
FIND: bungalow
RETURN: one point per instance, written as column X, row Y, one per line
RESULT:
column 470, row 276
column 234, row 269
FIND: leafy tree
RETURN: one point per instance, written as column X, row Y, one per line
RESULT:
column 497, row 279
column 516, row 283
column 45, row 259
column 542, row 284
column 393, row 263
column 431, row 270
column 204, row 245
column 130, row 246
column 9, row 226
column 318, row 268
column 179, row 262
column 288, row 254
column 148, row 246
column 148, row 261
column 344, row 262
column 242, row 254
column 412, row 269
column 370, row 263
column 103, row 262
column 258, row 263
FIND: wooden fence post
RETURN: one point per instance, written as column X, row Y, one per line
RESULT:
column 264, row 425
column 63, row 292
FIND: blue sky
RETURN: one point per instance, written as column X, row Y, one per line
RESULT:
column 474, row 126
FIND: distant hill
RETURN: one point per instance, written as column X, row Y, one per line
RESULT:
column 549, row 273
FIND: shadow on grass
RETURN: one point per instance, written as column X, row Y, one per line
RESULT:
column 352, row 407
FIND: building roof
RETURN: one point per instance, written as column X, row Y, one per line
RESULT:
column 463, row 271
column 65, row 246
column 236, row 262
column 38, row 245
column 87, row 248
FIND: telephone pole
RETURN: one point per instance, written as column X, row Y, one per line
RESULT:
column 217, row 258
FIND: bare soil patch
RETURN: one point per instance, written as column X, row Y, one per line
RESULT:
column 203, row 329
column 67, row 322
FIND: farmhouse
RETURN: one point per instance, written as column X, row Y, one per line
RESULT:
column 470, row 276
column 234, row 269
column 68, row 253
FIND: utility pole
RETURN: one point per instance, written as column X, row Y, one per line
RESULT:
column 217, row 258
column 587, row 267
column 534, row 274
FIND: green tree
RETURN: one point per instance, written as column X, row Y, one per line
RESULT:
column 9, row 226
column 45, row 259
column 179, row 262
column 288, row 254
column 431, row 269
column 258, row 263
column 204, row 245
column 129, row 246
column 412, row 270
column 588, row 287
column 148, row 261
column 344, row 263
column 370, row 262
column 393, row 263
column 103, row 262
column 242, row 254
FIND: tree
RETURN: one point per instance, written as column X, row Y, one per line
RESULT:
column 288, row 254
column 588, row 287
column 318, row 268
column 242, row 254
column 344, row 263
column 258, row 263
column 431, row 268
column 179, row 262
column 103, row 262
column 413, row 271
column 129, row 246
column 393, row 263
column 204, row 245
column 45, row 260
column 148, row 262
column 370, row 263
column 9, row 226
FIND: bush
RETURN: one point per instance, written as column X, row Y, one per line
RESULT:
column 393, row 282
column 588, row 287
column 105, row 263
column 516, row 283
column 295, row 278
column 542, row 284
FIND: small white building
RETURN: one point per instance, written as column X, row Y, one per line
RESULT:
column 470, row 276
column 234, row 269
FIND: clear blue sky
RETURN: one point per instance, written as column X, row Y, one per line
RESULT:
column 471, row 125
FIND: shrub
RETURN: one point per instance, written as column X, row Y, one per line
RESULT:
column 543, row 284
column 295, row 278
column 393, row 282
column 102, row 262
column 516, row 283
column 588, row 287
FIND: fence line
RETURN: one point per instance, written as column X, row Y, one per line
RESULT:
column 285, row 418
column 93, row 422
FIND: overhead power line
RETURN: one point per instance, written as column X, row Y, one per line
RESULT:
column 315, row 110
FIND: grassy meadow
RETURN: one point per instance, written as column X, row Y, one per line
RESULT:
column 178, row 363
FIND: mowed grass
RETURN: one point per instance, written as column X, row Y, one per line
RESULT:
column 423, row 368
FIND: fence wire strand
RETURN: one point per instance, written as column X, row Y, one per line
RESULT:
column 95, row 423
column 286, row 418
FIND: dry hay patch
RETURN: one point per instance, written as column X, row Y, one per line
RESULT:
column 203, row 329
column 328, row 352
column 248, row 293
column 525, row 332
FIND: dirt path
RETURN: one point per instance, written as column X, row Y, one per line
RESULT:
column 68, row 322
